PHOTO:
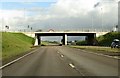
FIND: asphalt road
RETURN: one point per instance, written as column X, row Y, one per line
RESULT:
column 62, row 61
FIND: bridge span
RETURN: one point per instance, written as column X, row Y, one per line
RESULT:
column 90, row 36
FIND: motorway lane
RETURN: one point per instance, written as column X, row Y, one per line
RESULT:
column 47, row 61
column 90, row 64
column 44, row 62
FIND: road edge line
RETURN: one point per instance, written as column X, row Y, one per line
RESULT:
column 16, row 60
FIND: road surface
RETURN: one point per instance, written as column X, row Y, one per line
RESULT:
column 62, row 61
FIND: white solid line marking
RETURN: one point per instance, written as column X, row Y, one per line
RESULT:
column 16, row 60
column 71, row 65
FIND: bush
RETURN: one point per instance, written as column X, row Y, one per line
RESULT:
column 107, row 39
column 81, row 43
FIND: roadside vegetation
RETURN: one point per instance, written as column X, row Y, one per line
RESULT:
column 104, row 40
column 15, row 44
column 97, row 48
column 107, row 39
column 0, row 45
column 81, row 42
column 104, row 43
column 44, row 43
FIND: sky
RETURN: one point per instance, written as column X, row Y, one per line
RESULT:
column 59, row 15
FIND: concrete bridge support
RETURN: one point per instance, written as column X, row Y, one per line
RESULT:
column 37, row 40
column 65, row 39
column 91, row 39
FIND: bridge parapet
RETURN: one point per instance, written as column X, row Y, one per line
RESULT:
column 32, row 34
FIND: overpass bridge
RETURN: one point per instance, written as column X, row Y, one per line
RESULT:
column 90, row 36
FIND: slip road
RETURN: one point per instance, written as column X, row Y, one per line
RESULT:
column 62, row 61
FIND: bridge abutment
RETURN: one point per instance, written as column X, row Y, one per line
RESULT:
column 91, row 39
column 37, row 40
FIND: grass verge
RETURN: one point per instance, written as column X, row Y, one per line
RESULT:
column 97, row 48
column 14, row 45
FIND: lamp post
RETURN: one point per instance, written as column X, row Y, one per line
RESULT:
column 92, row 23
column 2, row 23
column 101, row 9
column 119, row 16
column 31, row 28
column 102, row 18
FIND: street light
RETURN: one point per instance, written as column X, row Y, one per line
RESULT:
column 119, row 16
column 95, row 6
column 102, row 18
column 102, row 10
column 92, row 23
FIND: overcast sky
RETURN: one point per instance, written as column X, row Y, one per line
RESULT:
column 58, row 14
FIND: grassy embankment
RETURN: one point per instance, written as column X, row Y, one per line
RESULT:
column 104, row 40
column 0, row 45
column 15, row 44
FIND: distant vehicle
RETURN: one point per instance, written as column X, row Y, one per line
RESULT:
column 115, row 43
column 60, row 44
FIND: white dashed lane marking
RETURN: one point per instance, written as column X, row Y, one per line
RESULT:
column 71, row 65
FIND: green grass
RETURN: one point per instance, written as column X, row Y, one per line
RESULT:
column 44, row 43
column 0, row 45
column 97, row 48
column 48, row 43
column 14, row 44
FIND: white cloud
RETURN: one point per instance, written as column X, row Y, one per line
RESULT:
column 66, row 14
column 11, row 17
column 12, row 13
column 73, row 7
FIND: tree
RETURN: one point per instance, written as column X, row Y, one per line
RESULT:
column 39, row 30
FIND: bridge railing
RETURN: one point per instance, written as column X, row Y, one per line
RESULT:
column 83, row 30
